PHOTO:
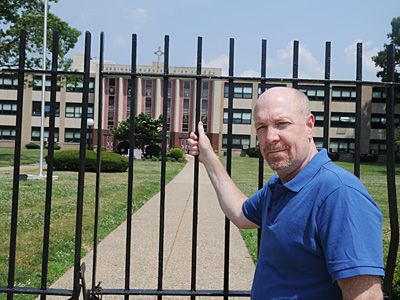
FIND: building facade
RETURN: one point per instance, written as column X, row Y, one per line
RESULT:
column 181, row 99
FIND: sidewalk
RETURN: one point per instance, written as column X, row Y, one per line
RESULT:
column 177, row 245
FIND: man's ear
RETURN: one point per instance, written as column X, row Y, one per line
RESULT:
column 310, row 121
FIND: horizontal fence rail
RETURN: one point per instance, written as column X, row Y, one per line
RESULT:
column 78, row 283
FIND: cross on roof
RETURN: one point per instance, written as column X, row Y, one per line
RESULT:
column 159, row 53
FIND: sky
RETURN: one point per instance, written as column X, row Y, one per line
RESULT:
column 311, row 22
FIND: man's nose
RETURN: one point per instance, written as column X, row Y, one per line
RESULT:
column 272, row 135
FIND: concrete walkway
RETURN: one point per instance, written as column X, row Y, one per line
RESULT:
column 177, row 246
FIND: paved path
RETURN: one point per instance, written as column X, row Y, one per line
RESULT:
column 177, row 247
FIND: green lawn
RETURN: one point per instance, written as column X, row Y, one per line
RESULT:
column 28, row 156
column 113, row 197
column 113, row 206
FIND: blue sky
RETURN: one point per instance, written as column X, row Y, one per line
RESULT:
column 311, row 22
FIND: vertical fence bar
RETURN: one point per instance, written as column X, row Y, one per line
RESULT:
column 260, row 157
column 196, row 170
column 81, row 175
column 295, row 64
column 98, row 166
column 326, row 94
column 130, row 171
column 357, row 138
column 50, row 153
column 17, row 163
column 163, row 169
column 391, row 173
column 229, row 164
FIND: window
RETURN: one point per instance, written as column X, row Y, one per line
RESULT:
column 72, row 135
column 205, row 96
column 74, row 110
column 343, row 120
column 169, row 105
column 268, row 86
column 240, row 116
column 149, row 97
column 8, row 81
column 37, row 109
column 129, row 98
column 342, row 145
column 343, row 93
column 378, row 121
column 240, row 90
column 238, row 141
column 7, row 132
column 8, row 107
column 319, row 142
column 35, row 133
column 186, row 106
column 37, row 83
column 377, row 147
column 111, row 103
column 378, row 95
column 76, row 85
column 319, row 118
column 314, row 93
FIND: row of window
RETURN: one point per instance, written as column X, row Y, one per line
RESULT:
column 74, row 84
column 314, row 93
column 335, row 145
column 72, row 110
column 71, row 135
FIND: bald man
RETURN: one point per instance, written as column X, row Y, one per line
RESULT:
column 321, row 230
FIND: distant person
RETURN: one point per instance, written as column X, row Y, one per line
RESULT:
column 321, row 230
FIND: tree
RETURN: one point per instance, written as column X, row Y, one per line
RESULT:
column 381, row 58
column 147, row 130
column 29, row 14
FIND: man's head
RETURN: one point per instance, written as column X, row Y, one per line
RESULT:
column 285, row 128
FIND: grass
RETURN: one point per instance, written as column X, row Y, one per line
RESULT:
column 113, row 197
column 28, row 156
column 373, row 176
column 113, row 210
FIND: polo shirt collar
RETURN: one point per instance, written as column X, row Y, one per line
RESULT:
column 309, row 171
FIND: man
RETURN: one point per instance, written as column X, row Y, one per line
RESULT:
column 321, row 230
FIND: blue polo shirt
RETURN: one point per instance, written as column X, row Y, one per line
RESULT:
column 320, row 227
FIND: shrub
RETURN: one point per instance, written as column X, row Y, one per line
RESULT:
column 176, row 153
column 32, row 146
column 102, row 148
column 154, row 158
column 368, row 157
column 334, row 156
column 68, row 160
column 56, row 147
column 123, row 147
column 253, row 151
column 153, row 150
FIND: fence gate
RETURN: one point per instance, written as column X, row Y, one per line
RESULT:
column 94, row 291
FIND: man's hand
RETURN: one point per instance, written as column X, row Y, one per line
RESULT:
column 200, row 145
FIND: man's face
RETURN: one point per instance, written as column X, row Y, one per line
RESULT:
column 284, row 133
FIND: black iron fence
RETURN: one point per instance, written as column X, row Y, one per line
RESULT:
column 79, row 285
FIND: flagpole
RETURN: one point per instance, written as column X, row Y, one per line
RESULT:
column 43, row 91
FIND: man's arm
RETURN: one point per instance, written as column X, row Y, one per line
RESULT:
column 363, row 287
column 229, row 195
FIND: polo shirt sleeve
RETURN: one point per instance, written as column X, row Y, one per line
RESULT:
column 252, row 208
column 349, row 226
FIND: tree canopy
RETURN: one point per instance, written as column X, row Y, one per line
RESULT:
column 381, row 58
column 29, row 14
column 147, row 130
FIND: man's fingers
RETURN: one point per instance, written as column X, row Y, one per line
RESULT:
column 200, row 128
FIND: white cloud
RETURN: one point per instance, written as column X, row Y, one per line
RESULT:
column 367, row 52
column 219, row 62
column 250, row 73
column 309, row 66
column 120, row 41
column 138, row 16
